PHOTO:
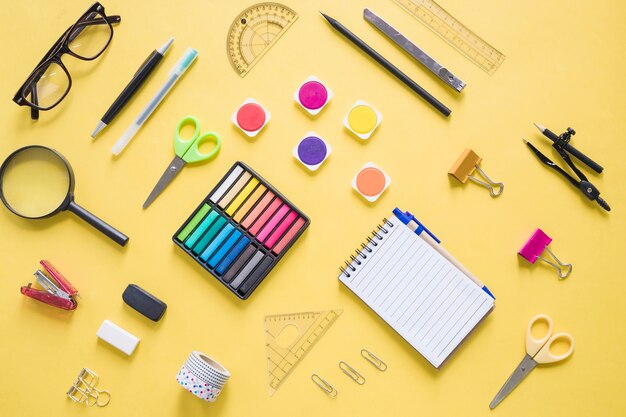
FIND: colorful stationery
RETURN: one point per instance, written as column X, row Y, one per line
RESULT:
column 582, row 182
column 57, row 291
column 203, row 376
column 533, row 250
column 241, row 230
column 455, row 33
column 362, row 120
column 179, row 69
column 251, row 117
column 255, row 31
column 370, row 182
column 139, row 78
column 417, row 289
column 187, row 150
column 283, row 355
column 413, row 50
column 313, row 95
column 538, row 351
column 312, row 151
column 388, row 66
column 465, row 166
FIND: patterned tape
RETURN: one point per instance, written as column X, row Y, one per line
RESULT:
column 198, row 388
column 209, row 378
column 209, row 363
column 205, row 369
column 202, row 376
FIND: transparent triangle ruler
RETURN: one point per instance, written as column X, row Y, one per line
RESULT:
column 455, row 33
column 281, row 360
column 254, row 31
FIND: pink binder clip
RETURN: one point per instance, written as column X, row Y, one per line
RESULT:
column 534, row 247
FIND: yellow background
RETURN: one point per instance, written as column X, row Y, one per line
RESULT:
column 564, row 67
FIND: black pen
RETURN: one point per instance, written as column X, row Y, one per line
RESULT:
column 142, row 74
column 388, row 66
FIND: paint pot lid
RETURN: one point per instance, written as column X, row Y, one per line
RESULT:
column 362, row 119
column 312, row 150
column 313, row 95
column 371, row 181
column 251, row 117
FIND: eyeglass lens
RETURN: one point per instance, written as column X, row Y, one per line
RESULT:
column 89, row 37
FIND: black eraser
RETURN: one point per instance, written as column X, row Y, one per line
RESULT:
column 144, row 302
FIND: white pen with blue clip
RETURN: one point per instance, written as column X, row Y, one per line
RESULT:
column 419, row 229
column 179, row 69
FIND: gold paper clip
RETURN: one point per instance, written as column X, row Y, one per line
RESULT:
column 324, row 386
column 83, row 390
column 464, row 167
column 374, row 360
column 352, row 373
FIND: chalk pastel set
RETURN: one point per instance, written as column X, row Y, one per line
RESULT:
column 241, row 230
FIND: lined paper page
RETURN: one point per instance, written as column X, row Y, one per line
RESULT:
column 418, row 292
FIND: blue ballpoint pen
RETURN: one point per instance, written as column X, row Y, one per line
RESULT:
column 415, row 225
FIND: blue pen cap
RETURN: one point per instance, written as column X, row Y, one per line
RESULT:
column 185, row 61
column 406, row 217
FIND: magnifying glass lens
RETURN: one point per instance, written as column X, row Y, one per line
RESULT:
column 35, row 182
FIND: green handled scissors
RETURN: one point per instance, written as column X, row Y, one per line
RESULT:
column 187, row 151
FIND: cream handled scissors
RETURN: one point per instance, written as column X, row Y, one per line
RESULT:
column 537, row 351
column 187, row 152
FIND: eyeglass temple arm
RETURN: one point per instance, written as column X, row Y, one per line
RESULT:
column 34, row 113
column 99, row 21
column 115, row 19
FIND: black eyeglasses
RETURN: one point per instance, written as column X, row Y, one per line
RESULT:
column 50, row 81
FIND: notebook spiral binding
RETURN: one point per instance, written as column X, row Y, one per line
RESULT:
column 367, row 247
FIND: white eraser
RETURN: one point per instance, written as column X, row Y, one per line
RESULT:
column 118, row 337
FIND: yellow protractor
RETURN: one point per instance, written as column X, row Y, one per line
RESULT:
column 254, row 32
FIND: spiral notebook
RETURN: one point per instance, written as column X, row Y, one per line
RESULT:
column 421, row 292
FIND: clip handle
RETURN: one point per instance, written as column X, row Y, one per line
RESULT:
column 48, row 298
column 488, row 183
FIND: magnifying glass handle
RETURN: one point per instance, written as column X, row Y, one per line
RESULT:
column 117, row 236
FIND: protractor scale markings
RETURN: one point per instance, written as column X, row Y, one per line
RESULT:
column 254, row 32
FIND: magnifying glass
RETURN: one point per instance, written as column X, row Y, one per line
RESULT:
column 38, row 182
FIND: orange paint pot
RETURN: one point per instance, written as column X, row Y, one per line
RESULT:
column 371, row 181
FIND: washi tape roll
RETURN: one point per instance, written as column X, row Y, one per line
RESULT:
column 208, row 365
column 202, row 376
column 195, row 386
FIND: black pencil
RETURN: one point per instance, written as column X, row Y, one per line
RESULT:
column 388, row 66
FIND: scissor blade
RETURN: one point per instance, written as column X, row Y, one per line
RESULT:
column 526, row 365
column 172, row 170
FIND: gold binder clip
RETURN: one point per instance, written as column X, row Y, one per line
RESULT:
column 83, row 390
column 324, row 386
column 464, row 167
column 352, row 373
column 374, row 360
